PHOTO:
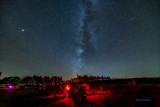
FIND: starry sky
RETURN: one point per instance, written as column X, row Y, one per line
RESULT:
column 116, row 38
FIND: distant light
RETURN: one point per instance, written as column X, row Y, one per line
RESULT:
column 67, row 88
column 10, row 86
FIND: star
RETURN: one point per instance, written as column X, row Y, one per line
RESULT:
column 22, row 30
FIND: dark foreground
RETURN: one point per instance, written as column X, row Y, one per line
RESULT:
column 146, row 95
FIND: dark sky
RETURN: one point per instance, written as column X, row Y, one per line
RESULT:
column 117, row 38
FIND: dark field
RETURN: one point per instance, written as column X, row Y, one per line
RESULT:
column 142, row 95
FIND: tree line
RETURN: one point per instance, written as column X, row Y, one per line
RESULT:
column 32, row 80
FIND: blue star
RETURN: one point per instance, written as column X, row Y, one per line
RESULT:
column 22, row 30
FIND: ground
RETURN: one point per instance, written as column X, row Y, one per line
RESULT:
column 142, row 95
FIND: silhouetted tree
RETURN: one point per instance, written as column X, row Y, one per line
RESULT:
column 27, row 80
column 37, row 79
column 11, row 80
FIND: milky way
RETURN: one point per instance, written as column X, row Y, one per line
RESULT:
column 116, row 38
column 86, row 35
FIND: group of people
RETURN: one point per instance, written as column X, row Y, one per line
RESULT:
column 77, row 92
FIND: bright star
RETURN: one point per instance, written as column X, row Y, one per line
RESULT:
column 22, row 30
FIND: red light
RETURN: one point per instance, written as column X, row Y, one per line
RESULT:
column 67, row 88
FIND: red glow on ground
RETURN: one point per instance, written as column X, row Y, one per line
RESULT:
column 67, row 102
column 55, row 95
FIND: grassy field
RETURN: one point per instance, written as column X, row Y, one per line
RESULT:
column 9, row 97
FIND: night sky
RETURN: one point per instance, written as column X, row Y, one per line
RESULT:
column 116, row 38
